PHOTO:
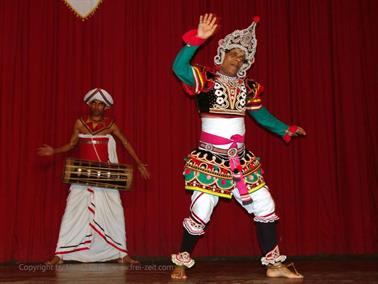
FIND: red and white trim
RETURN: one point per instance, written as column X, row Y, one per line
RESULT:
column 195, row 200
column 183, row 259
column 193, row 227
column 197, row 219
column 85, row 245
column 106, row 238
column 273, row 257
column 98, row 229
column 270, row 218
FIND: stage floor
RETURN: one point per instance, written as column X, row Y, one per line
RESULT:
column 320, row 270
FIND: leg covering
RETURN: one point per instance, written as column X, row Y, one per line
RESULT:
column 192, row 232
column 267, row 236
column 264, row 210
column 200, row 213
column 188, row 242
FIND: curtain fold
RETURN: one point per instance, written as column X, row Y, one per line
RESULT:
column 316, row 59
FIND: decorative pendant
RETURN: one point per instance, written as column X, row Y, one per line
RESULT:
column 83, row 8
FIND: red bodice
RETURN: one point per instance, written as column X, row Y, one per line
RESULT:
column 93, row 149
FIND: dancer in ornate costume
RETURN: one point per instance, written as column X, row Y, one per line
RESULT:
column 222, row 166
column 93, row 225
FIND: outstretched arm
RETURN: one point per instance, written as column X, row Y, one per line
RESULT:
column 181, row 66
column 47, row 150
column 273, row 124
column 126, row 144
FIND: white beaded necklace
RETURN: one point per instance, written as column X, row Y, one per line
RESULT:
column 229, row 80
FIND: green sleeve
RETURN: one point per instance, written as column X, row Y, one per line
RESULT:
column 182, row 67
column 269, row 121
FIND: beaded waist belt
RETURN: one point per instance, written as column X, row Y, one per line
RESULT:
column 93, row 142
column 231, row 152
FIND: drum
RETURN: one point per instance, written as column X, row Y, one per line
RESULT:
column 99, row 174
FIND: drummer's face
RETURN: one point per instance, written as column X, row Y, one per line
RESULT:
column 97, row 107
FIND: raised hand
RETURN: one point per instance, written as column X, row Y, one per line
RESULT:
column 207, row 26
column 45, row 150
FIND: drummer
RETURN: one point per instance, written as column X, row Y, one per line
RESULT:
column 93, row 224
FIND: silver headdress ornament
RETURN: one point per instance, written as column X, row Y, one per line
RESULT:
column 242, row 39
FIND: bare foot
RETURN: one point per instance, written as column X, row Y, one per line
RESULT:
column 54, row 261
column 282, row 270
column 128, row 260
column 179, row 273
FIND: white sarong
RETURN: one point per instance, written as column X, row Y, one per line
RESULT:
column 93, row 224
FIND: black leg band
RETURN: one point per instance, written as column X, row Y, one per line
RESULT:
column 188, row 242
column 267, row 236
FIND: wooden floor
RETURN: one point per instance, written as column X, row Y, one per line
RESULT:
column 320, row 270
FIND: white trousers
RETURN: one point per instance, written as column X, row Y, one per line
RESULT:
column 262, row 207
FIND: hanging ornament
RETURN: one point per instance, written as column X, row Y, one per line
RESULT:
column 83, row 8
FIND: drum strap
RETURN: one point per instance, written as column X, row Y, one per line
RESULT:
column 94, row 148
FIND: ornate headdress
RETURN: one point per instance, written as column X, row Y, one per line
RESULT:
column 99, row 94
column 242, row 39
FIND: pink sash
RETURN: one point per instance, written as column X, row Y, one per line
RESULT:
column 234, row 160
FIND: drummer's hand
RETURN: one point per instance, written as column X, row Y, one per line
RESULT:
column 45, row 150
column 143, row 171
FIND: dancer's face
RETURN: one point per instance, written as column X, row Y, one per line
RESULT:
column 97, row 108
column 232, row 62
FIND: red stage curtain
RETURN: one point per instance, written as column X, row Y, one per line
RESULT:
column 316, row 59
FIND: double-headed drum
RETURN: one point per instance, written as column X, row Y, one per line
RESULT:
column 99, row 174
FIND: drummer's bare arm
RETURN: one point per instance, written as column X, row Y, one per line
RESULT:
column 47, row 150
column 126, row 144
